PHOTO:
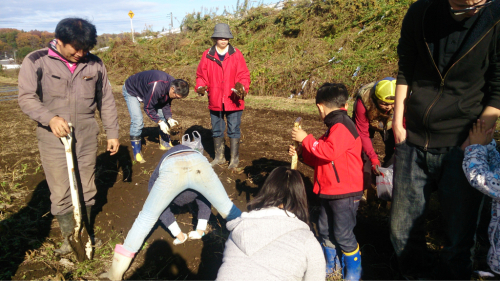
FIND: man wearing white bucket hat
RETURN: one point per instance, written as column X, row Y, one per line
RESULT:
column 224, row 76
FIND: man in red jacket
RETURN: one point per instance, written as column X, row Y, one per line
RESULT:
column 338, row 178
column 223, row 74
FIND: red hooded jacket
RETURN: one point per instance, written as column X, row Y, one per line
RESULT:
column 220, row 77
column 336, row 158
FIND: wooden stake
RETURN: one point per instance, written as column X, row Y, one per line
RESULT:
column 295, row 158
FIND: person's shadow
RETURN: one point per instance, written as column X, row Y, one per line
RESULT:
column 109, row 168
column 24, row 232
column 213, row 248
column 161, row 263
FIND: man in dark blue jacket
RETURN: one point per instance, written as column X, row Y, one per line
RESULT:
column 449, row 76
column 156, row 89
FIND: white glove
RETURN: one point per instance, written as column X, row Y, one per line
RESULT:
column 172, row 122
column 163, row 127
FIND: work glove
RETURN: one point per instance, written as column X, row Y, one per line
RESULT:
column 172, row 122
column 239, row 90
column 164, row 127
column 202, row 91
column 375, row 167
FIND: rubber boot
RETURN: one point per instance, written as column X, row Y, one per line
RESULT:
column 136, row 147
column 352, row 265
column 67, row 225
column 121, row 261
column 332, row 260
column 219, row 151
column 235, row 153
column 165, row 143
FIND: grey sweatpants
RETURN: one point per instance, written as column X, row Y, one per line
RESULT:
column 54, row 164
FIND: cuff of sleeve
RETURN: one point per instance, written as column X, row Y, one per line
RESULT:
column 494, row 102
column 174, row 229
column 202, row 224
column 308, row 139
column 112, row 134
column 492, row 145
column 375, row 162
column 472, row 147
column 401, row 80
column 46, row 117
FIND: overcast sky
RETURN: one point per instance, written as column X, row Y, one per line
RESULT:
column 108, row 16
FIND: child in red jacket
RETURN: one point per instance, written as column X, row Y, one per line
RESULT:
column 338, row 178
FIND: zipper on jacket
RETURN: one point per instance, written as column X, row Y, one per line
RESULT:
column 441, row 86
column 335, row 170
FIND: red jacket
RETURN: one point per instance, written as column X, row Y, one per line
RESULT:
column 220, row 77
column 363, row 127
column 336, row 158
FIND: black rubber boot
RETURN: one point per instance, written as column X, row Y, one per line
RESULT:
column 219, row 151
column 67, row 225
column 235, row 153
column 96, row 242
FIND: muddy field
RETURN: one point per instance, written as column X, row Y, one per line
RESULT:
column 29, row 233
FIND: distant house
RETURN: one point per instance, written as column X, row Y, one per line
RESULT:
column 9, row 64
column 165, row 33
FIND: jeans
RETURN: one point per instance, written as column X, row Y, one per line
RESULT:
column 233, row 123
column 416, row 174
column 135, row 110
column 336, row 223
column 188, row 171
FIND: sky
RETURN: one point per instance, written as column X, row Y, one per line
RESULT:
column 108, row 16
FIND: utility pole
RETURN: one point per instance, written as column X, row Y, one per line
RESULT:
column 171, row 22
column 15, row 60
column 131, row 15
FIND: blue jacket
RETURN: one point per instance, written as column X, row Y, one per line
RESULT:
column 152, row 88
column 481, row 166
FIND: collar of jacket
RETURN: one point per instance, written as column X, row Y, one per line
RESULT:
column 331, row 119
column 52, row 46
column 213, row 51
column 487, row 20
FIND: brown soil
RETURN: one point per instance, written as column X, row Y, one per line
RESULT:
column 122, row 190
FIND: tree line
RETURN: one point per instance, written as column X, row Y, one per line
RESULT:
column 19, row 43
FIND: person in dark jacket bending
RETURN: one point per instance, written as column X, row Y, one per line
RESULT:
column 156, row 89
column 449, row 76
